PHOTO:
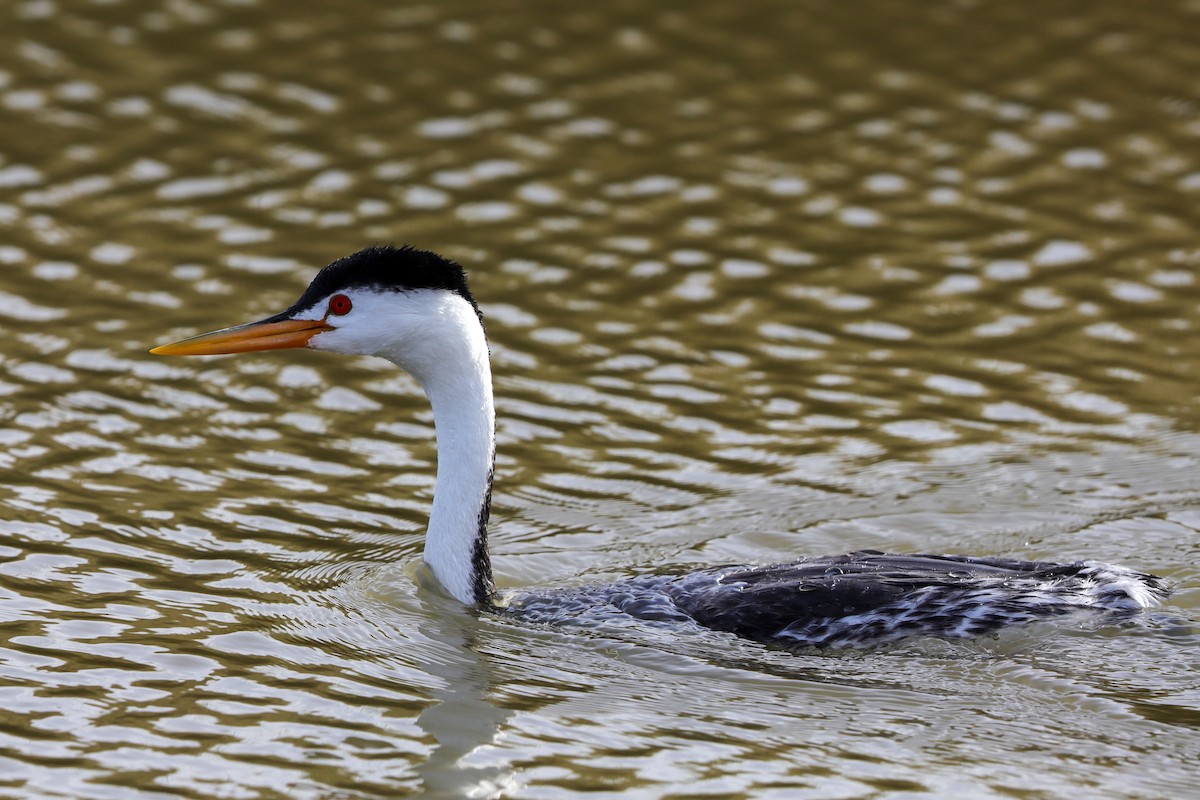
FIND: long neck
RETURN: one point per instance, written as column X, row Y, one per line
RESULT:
column 459, row 387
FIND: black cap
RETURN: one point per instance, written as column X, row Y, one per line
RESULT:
column 387, row 268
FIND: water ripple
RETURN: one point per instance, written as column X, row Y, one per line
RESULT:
column 758, row 282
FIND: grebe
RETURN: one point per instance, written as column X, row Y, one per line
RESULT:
column 413, row 308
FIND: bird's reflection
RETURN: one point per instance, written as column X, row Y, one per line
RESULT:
column 462, row 718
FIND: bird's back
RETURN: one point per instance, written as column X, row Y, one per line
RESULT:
column 862, row 598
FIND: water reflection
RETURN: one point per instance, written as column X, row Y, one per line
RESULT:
column 462, row 718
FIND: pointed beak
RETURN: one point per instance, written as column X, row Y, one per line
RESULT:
column 265, row 335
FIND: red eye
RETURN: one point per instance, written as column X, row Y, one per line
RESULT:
column 339, row 304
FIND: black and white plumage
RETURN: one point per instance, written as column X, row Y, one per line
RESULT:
column 862, row 598
column 413, row 308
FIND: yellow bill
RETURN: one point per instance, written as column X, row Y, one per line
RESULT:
column 247, row 338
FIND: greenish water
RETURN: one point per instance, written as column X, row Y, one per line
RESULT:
column 762, row 280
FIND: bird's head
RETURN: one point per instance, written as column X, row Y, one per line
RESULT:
column 400, row 303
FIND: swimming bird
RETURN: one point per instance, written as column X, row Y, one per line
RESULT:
column 413, row 307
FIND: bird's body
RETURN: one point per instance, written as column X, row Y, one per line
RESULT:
column 861, row 598
column 413, row 308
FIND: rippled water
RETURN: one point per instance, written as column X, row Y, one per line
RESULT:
column 762, row 280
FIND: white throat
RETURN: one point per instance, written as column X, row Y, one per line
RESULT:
column 465, row 419
column 437, row 338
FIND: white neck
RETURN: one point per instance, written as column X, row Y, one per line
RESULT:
column 435, row 335
column 453, row 368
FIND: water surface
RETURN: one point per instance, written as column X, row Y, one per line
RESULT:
column 761, row 281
